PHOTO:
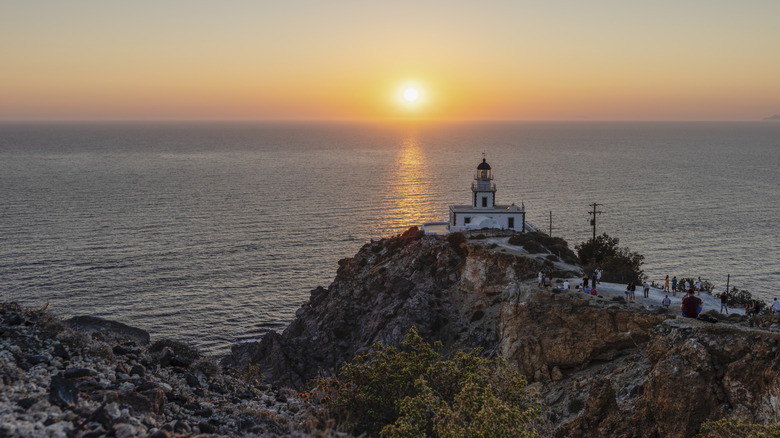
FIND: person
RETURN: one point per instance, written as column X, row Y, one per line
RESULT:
column 666, row 284
column 541, row 278
column 724, row 303
column 687, row 285
column 775, row 306
column 565, row 284
column 691, row 305
column 751, row 309
column 698, row 286
column 633, row 291
column 666, row 302
column 674, row 286
column 585, row 280
column 594, row 279
column 646, row 289
column 599, row 271
column 586, row 290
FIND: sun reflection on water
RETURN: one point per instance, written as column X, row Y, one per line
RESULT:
column 410, row 190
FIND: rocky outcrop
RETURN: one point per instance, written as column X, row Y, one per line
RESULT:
column 602, row 366
column 451, row 290
column 61, row 381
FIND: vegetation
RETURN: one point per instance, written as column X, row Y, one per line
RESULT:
column 741, row 298
column 414, row 391
column 540, row 243
column 730, row 428
column 619, row 265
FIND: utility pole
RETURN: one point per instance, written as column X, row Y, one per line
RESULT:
column 593, row 218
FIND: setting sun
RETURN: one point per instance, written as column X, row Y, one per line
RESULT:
column 411, row 94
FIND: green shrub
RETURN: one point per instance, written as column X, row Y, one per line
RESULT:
column 730, row 428
column 740, row 298
column 619, row 265
column 414, row 391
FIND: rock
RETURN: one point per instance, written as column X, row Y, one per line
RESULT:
column 138, row 370
column 62, row 392
column 111, row 330
column 124, row 430
column 77, row 373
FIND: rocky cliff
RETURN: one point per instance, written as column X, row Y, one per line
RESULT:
column 604, row 367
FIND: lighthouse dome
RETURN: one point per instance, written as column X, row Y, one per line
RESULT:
column 483, row 165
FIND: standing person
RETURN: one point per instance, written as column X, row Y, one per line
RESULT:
column 541, row 278
column 666, row 284
column 646, row 289
column 632, row 291
column 698, row 286
column 674, row 286
column 599, row 271
column 691, row 305
column 687, row 285
column 724, row 303
column 666, row 302
column 594, row 279
column 585, row 281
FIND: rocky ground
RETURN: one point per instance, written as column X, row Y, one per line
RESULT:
column 88, row 377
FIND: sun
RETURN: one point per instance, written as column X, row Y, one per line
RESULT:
column 411, row 94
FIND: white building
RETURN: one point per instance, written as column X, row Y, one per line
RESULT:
column 483, row 211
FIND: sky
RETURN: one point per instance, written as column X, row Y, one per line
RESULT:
column 353, row 60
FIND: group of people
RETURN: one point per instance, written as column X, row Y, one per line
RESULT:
column 683, row 287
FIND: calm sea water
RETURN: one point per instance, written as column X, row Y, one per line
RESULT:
column 215, row 233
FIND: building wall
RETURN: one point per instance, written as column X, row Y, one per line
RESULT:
column 502, row 218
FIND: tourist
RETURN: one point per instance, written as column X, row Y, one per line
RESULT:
column 698, row 286
column 594, row 279
column 751, row 309
column 599, row 271
column 646, row 289
column 674, row 286
column 565, row 284
column 628, row 292
column 687, row 285
column 666, row 284
column 585, row 280
column 691, row 305
column 633, row 291
column 724, row 303
column 541, row 278
column 775, row 306
column 666, row 302
column 586, row 290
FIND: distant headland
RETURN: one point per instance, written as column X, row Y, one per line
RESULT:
column 774, row 117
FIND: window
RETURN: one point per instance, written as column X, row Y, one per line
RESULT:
column 511, row 223
column 484, row 201
column 466, row 220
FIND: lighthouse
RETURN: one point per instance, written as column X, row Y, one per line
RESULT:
column 483, row 211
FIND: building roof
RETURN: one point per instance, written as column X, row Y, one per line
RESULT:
column 483, row 165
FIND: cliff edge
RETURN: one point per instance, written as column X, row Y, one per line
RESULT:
column 602, row 366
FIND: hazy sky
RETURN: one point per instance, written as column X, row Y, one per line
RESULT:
column 295, row 59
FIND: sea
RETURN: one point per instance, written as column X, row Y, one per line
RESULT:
column 216, row 232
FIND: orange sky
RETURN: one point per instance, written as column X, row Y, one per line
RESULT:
column 524, row 60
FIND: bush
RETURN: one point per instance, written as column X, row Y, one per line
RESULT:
column 414, row 391
column 741, row 298
column 619, row 265
column 538, row 242
column 728, row 428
